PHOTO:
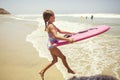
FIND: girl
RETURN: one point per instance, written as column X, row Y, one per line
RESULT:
column 52, row 30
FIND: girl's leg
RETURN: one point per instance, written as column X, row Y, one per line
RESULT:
column 59, row 54
column 48, row 66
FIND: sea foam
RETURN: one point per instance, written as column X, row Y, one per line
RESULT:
column 97, row 55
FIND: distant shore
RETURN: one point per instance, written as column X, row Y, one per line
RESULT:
column 3, row 11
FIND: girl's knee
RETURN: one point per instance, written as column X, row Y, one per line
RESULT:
column 54, row 60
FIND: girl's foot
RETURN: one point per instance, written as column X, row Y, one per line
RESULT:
column 42, row 75
column 71, row 71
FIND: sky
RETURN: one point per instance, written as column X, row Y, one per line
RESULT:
column 61, row 6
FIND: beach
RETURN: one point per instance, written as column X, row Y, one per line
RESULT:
column 18, row 59
column 23, row 47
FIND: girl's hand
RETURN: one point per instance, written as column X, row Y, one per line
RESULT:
column 70, row 40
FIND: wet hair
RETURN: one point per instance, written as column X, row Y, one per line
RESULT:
column 46, row 16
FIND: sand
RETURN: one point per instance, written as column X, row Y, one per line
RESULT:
column 18, row 59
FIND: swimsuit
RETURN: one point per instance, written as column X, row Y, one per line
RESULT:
column 51, row 40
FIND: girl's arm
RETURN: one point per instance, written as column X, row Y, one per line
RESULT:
column 53, row 31
column 64, row 32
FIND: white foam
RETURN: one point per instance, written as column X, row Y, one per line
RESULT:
column 99, row 15
column 93, row 56
column 98, row 55
column 35, row 18
column 96, row 15
column 39, row 40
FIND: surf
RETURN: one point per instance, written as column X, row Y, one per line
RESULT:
column 97, row 55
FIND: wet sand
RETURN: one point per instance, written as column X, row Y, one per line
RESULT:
column 18, row 59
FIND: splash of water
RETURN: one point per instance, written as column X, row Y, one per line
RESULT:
column 97, row 55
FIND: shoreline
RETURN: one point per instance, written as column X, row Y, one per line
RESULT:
column 18, row 58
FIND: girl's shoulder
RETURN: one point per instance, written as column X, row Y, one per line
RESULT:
column 50, row 26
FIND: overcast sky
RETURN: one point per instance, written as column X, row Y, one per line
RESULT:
column 61, row 6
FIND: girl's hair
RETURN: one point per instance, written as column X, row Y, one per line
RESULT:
column 46, row 15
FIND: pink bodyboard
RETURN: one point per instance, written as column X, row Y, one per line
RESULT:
column 84, row 34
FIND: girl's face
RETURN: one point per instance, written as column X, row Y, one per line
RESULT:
column 52, row 19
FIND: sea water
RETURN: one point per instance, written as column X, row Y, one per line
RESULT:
column 96, row 55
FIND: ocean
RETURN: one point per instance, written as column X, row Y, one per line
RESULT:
column 96, row 55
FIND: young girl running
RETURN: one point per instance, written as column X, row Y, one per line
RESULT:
column 52, row 30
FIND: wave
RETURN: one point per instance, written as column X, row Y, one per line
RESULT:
column 97, row 55
column 99, row 15
column 23, row 17
column 96, row 15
